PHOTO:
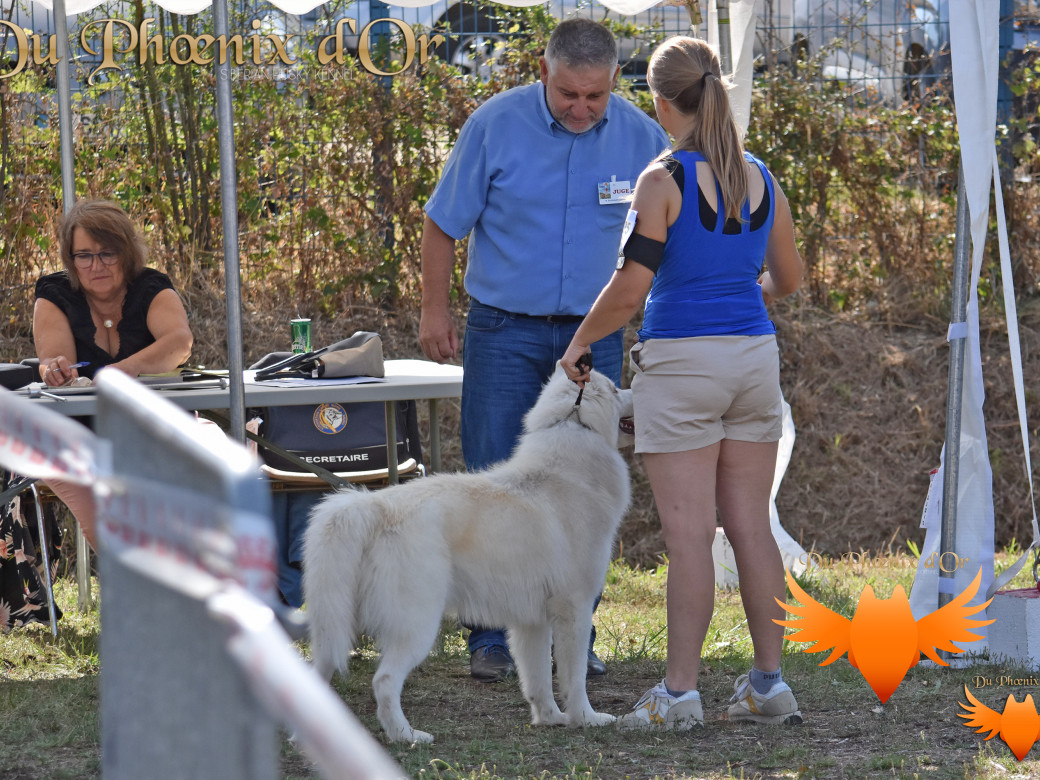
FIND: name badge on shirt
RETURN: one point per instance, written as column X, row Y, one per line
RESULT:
column 626, row 231
column 615, row 191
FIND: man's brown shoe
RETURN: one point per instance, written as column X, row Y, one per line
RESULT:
column 491, row 664
column 595, row 665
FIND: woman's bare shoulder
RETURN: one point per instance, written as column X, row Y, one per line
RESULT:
column 656, row 173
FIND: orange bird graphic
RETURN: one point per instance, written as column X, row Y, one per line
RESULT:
column 883, row 640
column 1018, row 725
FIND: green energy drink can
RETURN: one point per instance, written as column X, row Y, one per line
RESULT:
column 301, row 335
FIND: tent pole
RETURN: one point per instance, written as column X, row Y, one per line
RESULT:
column 954, row 394
column 229, row 212
column 67, row 158
column 64, row 87
column 725, row 37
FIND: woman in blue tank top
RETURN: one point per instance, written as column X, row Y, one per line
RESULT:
column 711, row 239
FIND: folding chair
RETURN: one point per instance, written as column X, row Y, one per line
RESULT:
column 14, row 486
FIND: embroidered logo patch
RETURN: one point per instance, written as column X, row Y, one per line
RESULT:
column 330, row 418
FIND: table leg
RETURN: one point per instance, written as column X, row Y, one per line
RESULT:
column 82, row 570
column 44, row 543
column 435, row 437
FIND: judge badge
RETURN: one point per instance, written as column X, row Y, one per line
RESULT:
column 614, row 191
column 626, row 231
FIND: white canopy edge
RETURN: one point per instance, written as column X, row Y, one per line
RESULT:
column 974, row 33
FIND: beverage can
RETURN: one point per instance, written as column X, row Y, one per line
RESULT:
column 301, row 335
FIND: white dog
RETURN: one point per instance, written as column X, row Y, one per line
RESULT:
column 525, row 544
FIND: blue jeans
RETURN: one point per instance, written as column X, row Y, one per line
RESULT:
column 291, row 511
column 506, row 359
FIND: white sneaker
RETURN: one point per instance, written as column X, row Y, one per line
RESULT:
column 777, row 706
column 658, row 709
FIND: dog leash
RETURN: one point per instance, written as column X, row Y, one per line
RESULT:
column 585, row 361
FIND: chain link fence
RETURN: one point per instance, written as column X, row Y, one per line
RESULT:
column 875, row 45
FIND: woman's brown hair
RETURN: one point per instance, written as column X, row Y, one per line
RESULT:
column 109, row 225
column 686, row 72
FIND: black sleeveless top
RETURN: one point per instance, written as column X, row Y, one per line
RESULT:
column 133, row 327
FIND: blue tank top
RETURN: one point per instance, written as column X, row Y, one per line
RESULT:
column 707, row 284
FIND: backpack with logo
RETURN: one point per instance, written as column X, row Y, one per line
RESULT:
column 347, row 439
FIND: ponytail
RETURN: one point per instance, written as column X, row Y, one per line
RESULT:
column 686, row 72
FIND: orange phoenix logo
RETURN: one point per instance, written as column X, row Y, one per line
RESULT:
column 1018, row 725
column 883, row 640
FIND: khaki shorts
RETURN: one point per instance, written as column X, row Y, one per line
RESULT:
column 690, row 393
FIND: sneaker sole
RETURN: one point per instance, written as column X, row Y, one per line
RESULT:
column 686, row 725
column 682, row 725
column 685, row 718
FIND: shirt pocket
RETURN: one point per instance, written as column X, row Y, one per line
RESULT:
column 610, row 217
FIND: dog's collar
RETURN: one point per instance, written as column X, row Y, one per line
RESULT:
column 574, row 413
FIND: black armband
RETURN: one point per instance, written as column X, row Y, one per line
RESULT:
column 645, row 251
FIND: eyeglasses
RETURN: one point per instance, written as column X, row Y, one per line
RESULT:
column 85, row 260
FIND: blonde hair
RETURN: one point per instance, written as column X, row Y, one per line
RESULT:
column 686, row 72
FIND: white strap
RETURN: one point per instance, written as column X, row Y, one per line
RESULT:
column 957, row 330
column 1014, row 345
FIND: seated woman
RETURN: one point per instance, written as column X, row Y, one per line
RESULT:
column 105, row 309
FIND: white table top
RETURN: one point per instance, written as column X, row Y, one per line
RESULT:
column 405, row 380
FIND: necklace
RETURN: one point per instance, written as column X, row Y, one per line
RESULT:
column 108, row 322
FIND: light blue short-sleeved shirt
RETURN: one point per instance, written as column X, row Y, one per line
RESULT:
column 527, row 191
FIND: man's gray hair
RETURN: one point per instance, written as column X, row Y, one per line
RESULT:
column 581, row 43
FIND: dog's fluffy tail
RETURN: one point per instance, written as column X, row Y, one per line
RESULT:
column 334, row 542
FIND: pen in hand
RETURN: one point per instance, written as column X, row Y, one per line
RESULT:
column 65, row 372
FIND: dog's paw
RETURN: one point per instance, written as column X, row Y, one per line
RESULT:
column 592, row 718
column 411, row 736
column 549, row 718
column 421, row 737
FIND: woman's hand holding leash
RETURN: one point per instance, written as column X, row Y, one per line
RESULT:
column 577, row 363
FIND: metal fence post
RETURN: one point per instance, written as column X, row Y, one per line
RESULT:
column 954, row 396
column 173, row 703
column 196, row 671
column 725, row 37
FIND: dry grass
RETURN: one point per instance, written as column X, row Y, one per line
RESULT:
column 869, row 402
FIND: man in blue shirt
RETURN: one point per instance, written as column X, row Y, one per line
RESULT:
column 539, row 179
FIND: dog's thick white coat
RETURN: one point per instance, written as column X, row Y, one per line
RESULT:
column 525, row 544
